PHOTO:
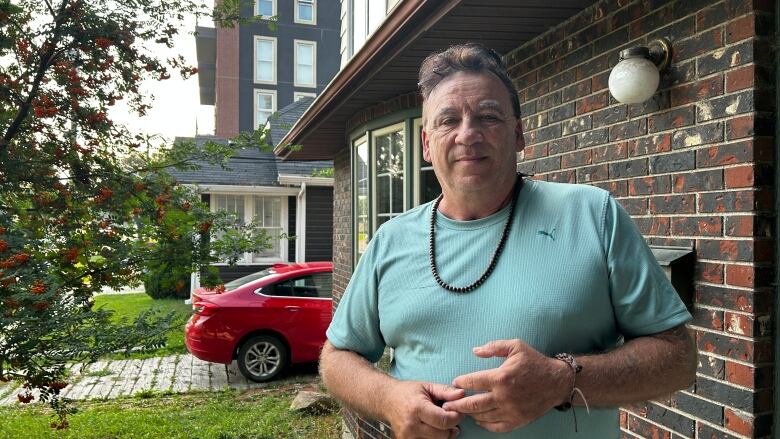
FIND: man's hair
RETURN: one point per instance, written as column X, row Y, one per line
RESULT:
column 468, row 57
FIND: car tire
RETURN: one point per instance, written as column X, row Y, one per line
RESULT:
column 262, row 358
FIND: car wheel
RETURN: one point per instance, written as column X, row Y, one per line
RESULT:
column 262, row 358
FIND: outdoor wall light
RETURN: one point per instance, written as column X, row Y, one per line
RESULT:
column 635, row 78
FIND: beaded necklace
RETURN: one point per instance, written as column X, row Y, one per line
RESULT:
column 496, row 252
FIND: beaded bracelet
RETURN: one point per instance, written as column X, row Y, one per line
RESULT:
column 576, row 368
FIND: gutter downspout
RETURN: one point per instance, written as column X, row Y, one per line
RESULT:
column 300, row 225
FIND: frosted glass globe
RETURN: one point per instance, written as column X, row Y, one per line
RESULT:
column 634, row 80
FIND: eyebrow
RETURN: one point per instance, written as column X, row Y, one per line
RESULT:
column 490, row 104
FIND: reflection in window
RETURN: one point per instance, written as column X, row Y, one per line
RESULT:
column 361, row 198
column 265, row 8
column 305, row 11
column 264, row 107
column 429, row 185
column 389, row 177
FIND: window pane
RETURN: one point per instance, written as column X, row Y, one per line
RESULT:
column 389, row 179
column 265, row 7
column 265, row 102
column 361, row 200
column 376, row 13
column 265, row 60
column 359, row 24
column 305, row 64
column 305, row 54
column 305, row 12
column 304, row 75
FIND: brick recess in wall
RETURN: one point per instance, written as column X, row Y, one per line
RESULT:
column 693, row 167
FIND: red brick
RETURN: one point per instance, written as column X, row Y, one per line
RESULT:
column 707, row 318
column 740, row 374
column 741, row 176
column 623, row 419
column 740, row 79
column 592, row 103
column 740, row 225
column 739, row 324
column 740, row 275
column 709, row 272
column 740, row 29
column 740, row 127
column 697, row 226
column 576, row 158
column 696, row 91
column 741, row 423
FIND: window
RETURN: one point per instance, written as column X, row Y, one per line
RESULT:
column 427, row 187
column 265, row 106
column 366, row 17
column 319, row 285
column 300, row 95
column 265, row 8
column 268, row 215
column 388, row 158
column 265, row 60
column 306, row 11
column 269, row 212
column 305, row 63
column 361, row 232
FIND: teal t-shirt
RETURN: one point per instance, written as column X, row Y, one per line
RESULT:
column 575, row 276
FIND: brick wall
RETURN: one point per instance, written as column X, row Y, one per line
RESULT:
column 693, row 167
column 342, row 224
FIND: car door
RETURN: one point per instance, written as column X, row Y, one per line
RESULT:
column 305, row 309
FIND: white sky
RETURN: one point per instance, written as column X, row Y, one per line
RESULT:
column 176, row 109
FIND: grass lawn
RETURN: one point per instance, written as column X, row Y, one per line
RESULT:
column 259, row 414
column 130, row 305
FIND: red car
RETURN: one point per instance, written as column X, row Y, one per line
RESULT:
column 265, row 321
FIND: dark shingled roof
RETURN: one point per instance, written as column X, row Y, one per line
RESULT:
column 250, row 167
column 280, row 125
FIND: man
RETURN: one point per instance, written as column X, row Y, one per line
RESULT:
column 505, row 298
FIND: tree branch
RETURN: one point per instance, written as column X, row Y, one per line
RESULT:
column 42, row 67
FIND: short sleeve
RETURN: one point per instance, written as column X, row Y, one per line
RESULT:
column 355, row 324
column 644, row 300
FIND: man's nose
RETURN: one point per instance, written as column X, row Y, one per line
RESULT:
column 469, row 132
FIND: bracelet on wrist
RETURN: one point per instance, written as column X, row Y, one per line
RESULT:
column 575, row 368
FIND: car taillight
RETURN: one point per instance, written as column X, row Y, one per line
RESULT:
column 205, row 308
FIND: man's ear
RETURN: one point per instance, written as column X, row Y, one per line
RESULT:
column 425, row 146
column 519, row 137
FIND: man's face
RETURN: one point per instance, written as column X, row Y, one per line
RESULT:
column 470, row 133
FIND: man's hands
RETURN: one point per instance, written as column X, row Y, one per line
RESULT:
column 413, row 413
column 522, row 389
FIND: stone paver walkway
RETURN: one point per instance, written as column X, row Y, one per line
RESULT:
column 113, row 378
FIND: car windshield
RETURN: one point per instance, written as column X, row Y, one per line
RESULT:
column 241, row 281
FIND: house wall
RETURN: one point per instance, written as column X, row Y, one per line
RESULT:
column 693, row 167
column 319, row 223
column 326, row 35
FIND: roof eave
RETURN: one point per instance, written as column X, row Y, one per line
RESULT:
column 396, row 27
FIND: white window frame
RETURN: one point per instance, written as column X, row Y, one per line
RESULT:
column 257, row 9
column 299, row 20
column 302, row 94
column 260, row 91
column 369, row 232
column 274, row 63
column 249, row 209
column 373, row 215
column 296, row 43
